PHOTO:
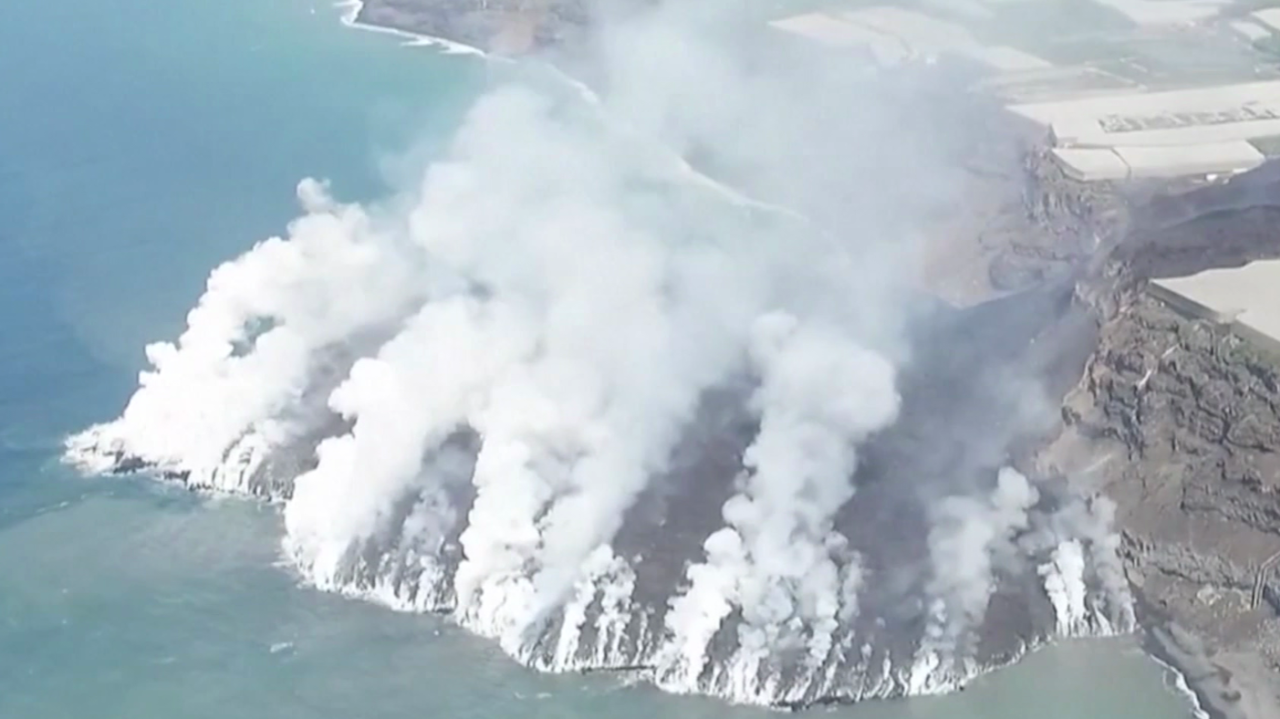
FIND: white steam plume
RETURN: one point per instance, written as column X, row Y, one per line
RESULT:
column 820, row 394
column 1085, row 551
column 967, row 536
column 404, row 403
column 569, row 298
column 1064, row 583
column 600, row 314
column 555, row 291
column 251, row 344
column 1104, row 554
column 630, row 323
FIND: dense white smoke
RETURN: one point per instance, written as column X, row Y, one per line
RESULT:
column 1104, row 555
column 404, row 402
column 571, row 311
column 522, row 338
column 213, row 402
column 1084, row 577
column 1064, row 583
column 972, row 539
column 777, row 559
column 967, row 537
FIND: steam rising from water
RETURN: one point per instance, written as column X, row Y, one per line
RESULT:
column 463, row 394
column 967, row 538
column 777, row 558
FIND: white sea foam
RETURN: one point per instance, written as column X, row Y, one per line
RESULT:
column 350, row 17
column 1177, row 682
column 1064, row 583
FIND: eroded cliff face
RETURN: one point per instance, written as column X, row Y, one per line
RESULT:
column 1177, row 419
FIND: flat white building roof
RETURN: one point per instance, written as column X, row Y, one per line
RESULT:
column 1167, row 12
column 824, row 28
column 1174, row 133
column 1251, row 30
column 893, row 34
column 1175, row 117
column 1269, row 17
column 1091, row 164
column 1005, row 58
column 1144, row 163
column 1248, row 296
column 835, row 32
column 1204, row 159
column 923, row 33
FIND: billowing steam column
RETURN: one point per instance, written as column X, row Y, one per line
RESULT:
column 489, row 398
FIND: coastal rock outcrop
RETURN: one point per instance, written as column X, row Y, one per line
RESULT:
column 1176, row 420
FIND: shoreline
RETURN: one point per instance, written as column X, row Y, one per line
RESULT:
column 350, row 15
column 1206, row 691
column 1192, row 676
column 1178, row 680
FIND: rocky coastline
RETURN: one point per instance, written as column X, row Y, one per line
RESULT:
column 503, row 27
column 1175, row 419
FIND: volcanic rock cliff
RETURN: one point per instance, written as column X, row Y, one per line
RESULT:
column 1177, row 419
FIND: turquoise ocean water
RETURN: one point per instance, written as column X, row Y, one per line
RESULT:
column 141, row 143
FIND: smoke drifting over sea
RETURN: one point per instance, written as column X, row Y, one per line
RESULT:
column 612, row 414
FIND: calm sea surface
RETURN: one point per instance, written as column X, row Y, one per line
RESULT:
column 141, row 143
